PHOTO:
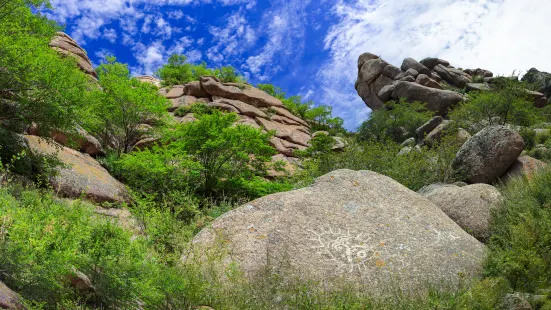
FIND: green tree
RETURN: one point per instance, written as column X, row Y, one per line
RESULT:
column 212, row 155
column 178, row 72
column 37, row 85
column 319, row 116
column 228, row 153
column 396, row 121
column 122, row 107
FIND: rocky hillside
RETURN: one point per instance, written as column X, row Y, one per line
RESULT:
column 254, row 107
column 440, row 200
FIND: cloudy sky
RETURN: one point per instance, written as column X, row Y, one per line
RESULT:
column 310, row 47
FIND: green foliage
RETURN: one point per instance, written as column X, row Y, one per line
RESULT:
column 178, row 72
column 520, row 245
column 197, row 108
column 122, row 106
column 529, row 137
column 43, row 241
column 318, row 116
column 396, row 121
column 36, row 84
column 506, row 103
column 212, row 156
column 413, row 169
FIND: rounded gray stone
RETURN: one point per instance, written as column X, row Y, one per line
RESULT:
column 359, row 227
column 488, row 154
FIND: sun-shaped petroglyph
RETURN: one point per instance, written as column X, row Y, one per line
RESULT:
column 350, row 252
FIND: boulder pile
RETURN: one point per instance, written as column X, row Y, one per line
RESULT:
column 426, row 81
column 254, row 107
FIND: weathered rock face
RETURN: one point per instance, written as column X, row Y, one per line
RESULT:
column 9, row 299
column 469, row 206
column 255, row 107
column 379, row 82
column 149, row 79
column 542, row 79
column 524, row 165
column 488, row 154
column 356, row 226
column 82, row 176
column 436, row 100
column 65, row 45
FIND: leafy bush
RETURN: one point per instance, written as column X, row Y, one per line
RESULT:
column 413, row 169
column 44, row 240
column 506, row 103
column 196, row 108
column 319, row 117
column 529, row 136
column 520, row 245
column 178, row 72
column 396, row 121
column 36, row 84
column 212, row 156
column 122, row 106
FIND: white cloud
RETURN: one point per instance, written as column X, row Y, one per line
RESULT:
column 178, row 14
column 110, row 34
column 232, row 39
column 499, row 35
column 284, row 26
column 149, row 57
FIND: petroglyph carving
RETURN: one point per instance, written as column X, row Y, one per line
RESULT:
column 349, row 252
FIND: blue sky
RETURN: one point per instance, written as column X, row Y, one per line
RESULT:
column 310, row 47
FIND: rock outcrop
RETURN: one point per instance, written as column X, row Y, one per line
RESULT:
column 488, row 154
column 81, row 175
column 359, row 227
column 65, row 45
column 9, row 299
column 524, row 165
column 469, row 206
column 541, row 79
column 379, row 81
column 149, row 79
column 254, row 106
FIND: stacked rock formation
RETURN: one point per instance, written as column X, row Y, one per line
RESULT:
column 254, row 107
column 424, row 81
column 65, row 45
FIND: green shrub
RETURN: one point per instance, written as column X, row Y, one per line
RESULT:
column 529, row 136
column 124, row 104
column 212, row 156
column 396, row 121
column 179, row 72
column 318, row 116
column 506, row 103
column 414, row 169
column 196, row 109
column 520, row 247
column 43, row 240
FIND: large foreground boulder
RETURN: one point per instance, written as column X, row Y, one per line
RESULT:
column 359, row 227
column 469, row 206
column 488, row 154
column 82, row 175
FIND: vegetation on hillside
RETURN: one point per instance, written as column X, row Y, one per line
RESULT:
column 318, row 116
column 179, row 72
column 194, row 172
